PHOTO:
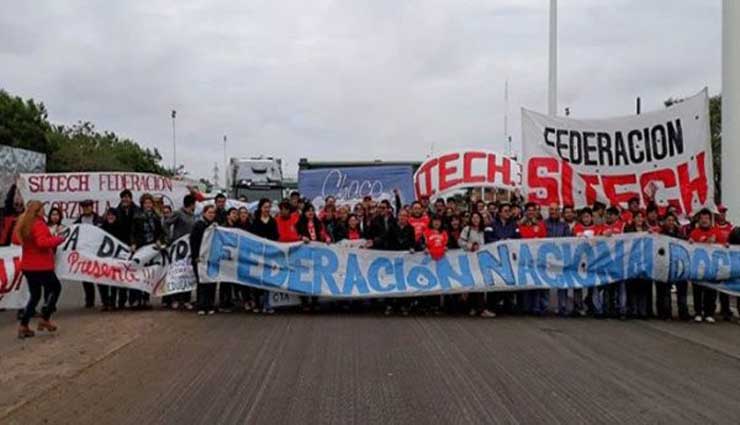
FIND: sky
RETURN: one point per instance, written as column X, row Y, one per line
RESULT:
column 346, row 79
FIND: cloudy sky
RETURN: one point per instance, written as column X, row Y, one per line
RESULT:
column 346, row 79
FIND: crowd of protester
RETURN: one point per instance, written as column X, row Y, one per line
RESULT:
column 419, row 226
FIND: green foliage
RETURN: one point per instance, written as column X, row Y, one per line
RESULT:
column 715, row 130
column 24, row 124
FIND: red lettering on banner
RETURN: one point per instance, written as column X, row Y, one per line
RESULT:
column 550, row 180
column 59, row 183
column 664, row 176
column 615, row 196
column 97, row 269
column 567, row 189
column 591, row 182
column 691, row 186
column 6, row 285
column 468, row 176
column 548, row 184
column 504, row 169
column 426, row 171
column 445, row 171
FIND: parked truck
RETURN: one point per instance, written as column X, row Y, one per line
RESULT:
column 256, row 178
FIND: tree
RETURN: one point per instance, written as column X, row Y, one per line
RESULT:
column 23, row 124
column 715, row 131
column 81, row 147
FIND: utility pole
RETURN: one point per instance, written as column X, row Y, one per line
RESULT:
column 730, row 107
column 174, row 143
column 552, row 88
column 226, row 168
column 506, row 117
column 638, row 105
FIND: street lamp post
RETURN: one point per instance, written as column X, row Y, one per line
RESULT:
column 174, row 143
column 226, row 169
column 552, row 88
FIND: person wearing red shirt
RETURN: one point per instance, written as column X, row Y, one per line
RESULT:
column 705, row 299
column 616, row 293
column 37, row 264
column 310, row 229
column 434, row 240
column 633, row 207
column 418, row 220
column 724, row 228
column 286, row 223
column 535, row 301
column 672, row 228
column 585, row 228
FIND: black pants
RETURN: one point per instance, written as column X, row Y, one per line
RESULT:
column 639, row 289
column 724, row 305
column 121, row 297
column 225, row 295
column 107, row 295
column 682, row 294
column 89, row 289
column 46, row 280
column 705, row 301
column 663, row 300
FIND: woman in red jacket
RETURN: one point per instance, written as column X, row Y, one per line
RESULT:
column 37, row 263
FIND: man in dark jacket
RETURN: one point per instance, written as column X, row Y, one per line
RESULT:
column 557, row 228
column 88, row 216
column 503, row 227
column 181, row 223
column 383, row 227
column 125, row 213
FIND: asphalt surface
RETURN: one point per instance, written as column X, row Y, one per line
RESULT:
column 168, row 367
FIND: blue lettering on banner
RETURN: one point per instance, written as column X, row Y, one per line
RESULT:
column 354, row 281
column 317, row 269
column 373, row 275
column 501, row 266
column 544, row 254
column 446, row 274
column 219, row 242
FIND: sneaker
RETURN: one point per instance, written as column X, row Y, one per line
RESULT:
column 269, row 311
column 487, row 314
column 472, row 312
column 388, row 310
column 698, row 319
column 201, row 312
column 189, row 306
column 211, row 312
column 175, row 305
column 709, row 319
column 224, row 310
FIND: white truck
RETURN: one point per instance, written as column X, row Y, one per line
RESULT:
column 256, row 178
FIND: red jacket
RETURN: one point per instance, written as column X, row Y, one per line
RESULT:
column 38, row 247
column 420, row 224
column 286, row 228
column 723, row 232
column 532, row 230
column 703, row 235
column 588, row 231
column 436, row 242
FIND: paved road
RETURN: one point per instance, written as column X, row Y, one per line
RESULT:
column 178, row 368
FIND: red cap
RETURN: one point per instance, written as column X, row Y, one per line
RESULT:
column 721, row 208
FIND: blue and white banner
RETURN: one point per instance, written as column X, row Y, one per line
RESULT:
column 233, row 255
column 351, row 184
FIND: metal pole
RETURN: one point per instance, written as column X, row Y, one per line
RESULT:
column 506, row 115
column 731, row 107
column 174, row 144
column 638, row 105
column 226, row 169
column 552, row 89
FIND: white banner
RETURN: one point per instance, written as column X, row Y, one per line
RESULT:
column 67, row 190
column 332, row 271
column 664, row 155
column 90, row 254
column 470, row 168
column 13, row 289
